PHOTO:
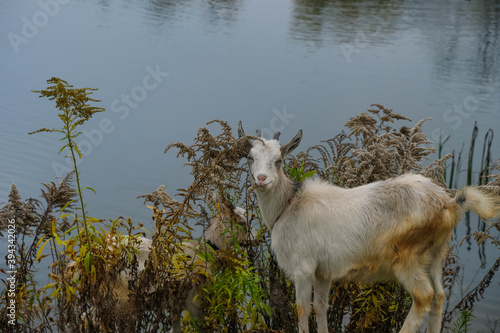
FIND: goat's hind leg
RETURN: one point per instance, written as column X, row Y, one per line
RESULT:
column 418, row 284
column 436, row 313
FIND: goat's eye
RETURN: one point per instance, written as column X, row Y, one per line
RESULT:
column 278, row 162
column 250, row 159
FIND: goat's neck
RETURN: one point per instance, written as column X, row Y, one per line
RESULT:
column 272, row 203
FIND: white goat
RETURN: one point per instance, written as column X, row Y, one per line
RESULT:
column 218, row 236
column 396, row 229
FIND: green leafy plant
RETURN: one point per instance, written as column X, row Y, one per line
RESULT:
column 233, row 296
column 297, row 171
column 463, row 323
column 74, row 111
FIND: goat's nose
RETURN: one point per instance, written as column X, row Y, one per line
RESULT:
column 261, row 178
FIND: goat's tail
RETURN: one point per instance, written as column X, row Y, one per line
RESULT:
column 484, row 205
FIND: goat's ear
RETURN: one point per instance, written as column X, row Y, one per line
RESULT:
column 223, row 209
column 241, row 132
column 290, row 146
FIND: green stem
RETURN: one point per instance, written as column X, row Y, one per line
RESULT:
column 77, row 177
column 471, row 155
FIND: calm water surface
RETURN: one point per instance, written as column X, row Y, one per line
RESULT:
column 165, row 68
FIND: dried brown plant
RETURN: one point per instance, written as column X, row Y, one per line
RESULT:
column 215, row 165
column 157, row 197
column 381, row 151
column 474, row 295
column 34, row 220
column 378, row 152
column 493, row 186
column 24, row 213
column 333, row 156
column 32, row 217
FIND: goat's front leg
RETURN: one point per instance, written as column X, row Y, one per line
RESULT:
column 303, row 292
column 321, row 293
column 176, row 325
column 195, row 308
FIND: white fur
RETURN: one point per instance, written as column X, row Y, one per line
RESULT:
column 396, row 229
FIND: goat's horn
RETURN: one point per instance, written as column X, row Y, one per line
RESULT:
column 276, row 136
column 241, row 132
column 259, row 133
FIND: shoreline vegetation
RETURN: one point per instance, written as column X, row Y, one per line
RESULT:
column 246, row 291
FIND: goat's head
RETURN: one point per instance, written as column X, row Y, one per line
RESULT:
column 229, row 229
column 265, row 158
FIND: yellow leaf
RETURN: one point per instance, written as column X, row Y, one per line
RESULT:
column 69, row 292
column 40, row 250
column 93, row 275
column 55, row 293
column 49, row 286
column 56, row 237
column 41, row 239
column 87, row 261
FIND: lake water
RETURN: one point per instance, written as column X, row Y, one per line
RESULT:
column 165, row 68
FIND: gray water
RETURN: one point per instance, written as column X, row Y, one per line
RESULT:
column 165, row 68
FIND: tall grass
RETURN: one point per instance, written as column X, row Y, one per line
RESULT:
column 463, row 323
column 470, row 160
column 75, row 110
column 455, row 167
column 440, row 154
column 486, row 158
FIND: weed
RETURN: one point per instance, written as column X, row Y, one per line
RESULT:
column 471, row 154
column 463, row 323
column 486, row 158
column 297, row 173
column 74, row 111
